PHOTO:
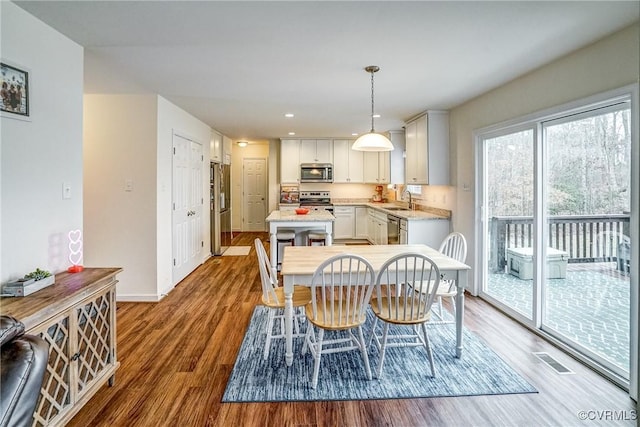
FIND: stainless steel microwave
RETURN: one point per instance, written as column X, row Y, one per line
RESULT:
column 316, row 172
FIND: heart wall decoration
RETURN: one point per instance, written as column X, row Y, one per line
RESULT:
column 75, row 251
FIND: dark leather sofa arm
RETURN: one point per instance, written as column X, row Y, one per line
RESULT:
column 23, row 361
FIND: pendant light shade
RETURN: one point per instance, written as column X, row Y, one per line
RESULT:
column 372, row 141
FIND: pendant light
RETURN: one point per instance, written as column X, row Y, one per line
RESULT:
column 372, row 141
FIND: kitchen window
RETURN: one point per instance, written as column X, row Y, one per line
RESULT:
column 414, row 189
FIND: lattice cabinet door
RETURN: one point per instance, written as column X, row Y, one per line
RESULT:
column 95, row 351
column 56, row 394
column 77, row 317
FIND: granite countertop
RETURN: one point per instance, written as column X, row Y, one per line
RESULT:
column 291, row 215
column 421, row 213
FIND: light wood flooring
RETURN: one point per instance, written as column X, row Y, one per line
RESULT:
column 176, row 357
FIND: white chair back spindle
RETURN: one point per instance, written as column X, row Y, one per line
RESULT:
column 454, row 246
column 269, row 283
column 340, row 291
column 399, row 303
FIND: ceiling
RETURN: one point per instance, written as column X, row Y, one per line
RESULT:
column 240, row 66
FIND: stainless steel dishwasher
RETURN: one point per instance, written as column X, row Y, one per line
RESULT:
column 393, row 230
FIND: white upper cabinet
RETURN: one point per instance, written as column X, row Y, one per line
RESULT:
column 427, row 149
column 316, row 151
column 376, row 167
column 348, row 164
column 396, row 157
column 289, row 161
column 226, row 150
column 215, row 147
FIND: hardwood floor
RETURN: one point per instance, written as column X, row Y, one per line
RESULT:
column 176, row 357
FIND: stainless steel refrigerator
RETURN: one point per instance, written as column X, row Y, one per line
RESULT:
column 221, row 234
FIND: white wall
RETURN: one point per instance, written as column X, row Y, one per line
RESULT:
column 120, row 226
column 39, row 155
column 130, row 138
column 173, row 119
column 607, row 64
column 274, row 174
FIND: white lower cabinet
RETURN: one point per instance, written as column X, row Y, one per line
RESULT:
column 361, row 223
column 377, row 227
column 370, row 225
column 427, row 232
column 403, row 232
column 344, row 225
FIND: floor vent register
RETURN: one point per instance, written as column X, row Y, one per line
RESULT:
column 553, row 363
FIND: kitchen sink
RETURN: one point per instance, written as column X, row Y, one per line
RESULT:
column 398, row 209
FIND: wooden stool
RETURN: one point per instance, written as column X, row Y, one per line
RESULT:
column 284, row 237
column 317, row 237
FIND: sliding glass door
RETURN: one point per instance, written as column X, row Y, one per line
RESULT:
column 587, row 166
column 509, row 212
column 555, row 239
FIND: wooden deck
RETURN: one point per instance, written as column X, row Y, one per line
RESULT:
column 590, row 307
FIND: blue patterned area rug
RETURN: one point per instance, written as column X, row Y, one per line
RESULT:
column 342, row 376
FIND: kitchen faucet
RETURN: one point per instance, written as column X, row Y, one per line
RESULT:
column 406, row 193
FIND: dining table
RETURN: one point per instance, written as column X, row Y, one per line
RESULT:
column 299, row 263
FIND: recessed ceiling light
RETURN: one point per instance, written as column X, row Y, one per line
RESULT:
column 242, row 143
column 292, row 133
column 376, row 116
column 354, row 134
column 289, row 115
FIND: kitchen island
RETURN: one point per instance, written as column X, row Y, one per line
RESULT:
column 314, row 220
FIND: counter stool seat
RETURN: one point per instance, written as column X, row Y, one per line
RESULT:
column 284, row 237
column 316, row 237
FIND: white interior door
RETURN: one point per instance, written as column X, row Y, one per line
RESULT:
column 254, row 194
column 187, row 206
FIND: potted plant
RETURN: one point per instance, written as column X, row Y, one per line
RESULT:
column 29, row 284
column 41, row 278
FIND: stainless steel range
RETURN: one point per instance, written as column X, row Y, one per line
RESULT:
column 316, row 200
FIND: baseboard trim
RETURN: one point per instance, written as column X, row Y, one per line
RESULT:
column 138, row 298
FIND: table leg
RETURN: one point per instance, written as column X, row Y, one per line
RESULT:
column 329, row 231
column 461, row 285
column 273, row 249
column 288, row 319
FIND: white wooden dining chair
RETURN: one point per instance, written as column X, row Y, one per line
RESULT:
column 341, row 288
column 453, row 246
column 273, row 299
column 408, row 308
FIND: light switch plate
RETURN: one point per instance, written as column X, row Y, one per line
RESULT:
column 66, row 190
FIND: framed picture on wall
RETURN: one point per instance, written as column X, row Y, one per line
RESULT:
column 15, row 91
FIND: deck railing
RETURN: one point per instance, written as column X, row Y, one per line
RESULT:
column 586, row 238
